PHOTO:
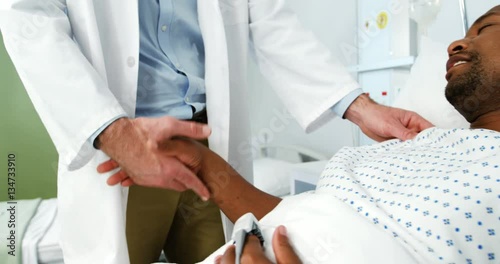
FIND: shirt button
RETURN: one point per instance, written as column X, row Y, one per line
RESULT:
column 187, row 99
column 131, row 61
column 164, row 28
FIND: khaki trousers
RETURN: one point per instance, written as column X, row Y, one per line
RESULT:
column 185, row 227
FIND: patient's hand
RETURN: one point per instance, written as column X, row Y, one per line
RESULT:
column 381, row 122
column 254, row 253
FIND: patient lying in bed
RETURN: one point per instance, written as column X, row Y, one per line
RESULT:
column 432, row 199
column 435, row 198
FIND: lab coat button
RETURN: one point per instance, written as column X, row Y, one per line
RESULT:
column 131, row 61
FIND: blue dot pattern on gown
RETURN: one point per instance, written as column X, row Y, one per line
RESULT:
column 439, row 194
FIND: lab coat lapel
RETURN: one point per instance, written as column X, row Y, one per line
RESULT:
column 236, row 27
column 108, row 35
column 224, row 27
column 216, row 74
column 118, row 23
column 234, row 11
column 86, row 33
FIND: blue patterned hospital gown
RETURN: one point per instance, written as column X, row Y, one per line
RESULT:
column 439, row 194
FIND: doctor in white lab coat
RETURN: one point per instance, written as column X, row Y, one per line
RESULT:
column 78, row 60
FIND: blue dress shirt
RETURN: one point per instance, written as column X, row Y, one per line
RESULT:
column 171, row 59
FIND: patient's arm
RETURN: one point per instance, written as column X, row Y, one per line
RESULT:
column 229, row 190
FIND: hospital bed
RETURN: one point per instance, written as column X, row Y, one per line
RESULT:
column 424, row 94
column 41, row 239
column 274, row 165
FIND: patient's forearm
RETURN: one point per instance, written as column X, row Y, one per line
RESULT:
column 231, row 192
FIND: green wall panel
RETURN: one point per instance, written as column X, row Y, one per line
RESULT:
column 23, row 134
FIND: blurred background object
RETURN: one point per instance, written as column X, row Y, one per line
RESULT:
column 424, row 12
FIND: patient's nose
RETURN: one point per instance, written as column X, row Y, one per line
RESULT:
column 457, row 46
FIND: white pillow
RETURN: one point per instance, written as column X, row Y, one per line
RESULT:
column 272, row 176
column 424, row 91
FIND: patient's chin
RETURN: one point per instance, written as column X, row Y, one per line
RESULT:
column 465, row 94
column 457, row 97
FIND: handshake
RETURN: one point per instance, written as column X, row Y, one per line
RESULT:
column 163, row 153
column 155, row 152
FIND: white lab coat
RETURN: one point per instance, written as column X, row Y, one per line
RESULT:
column 78, row 60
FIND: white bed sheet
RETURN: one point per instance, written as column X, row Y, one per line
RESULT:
column 41, row 240
column 433, row 199
column 49, row 251
column 348, row 238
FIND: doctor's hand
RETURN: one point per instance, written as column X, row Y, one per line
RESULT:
column 136, row 146
column 381, row 122
column 254, row 253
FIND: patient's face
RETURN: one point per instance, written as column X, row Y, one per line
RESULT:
column 473, row 70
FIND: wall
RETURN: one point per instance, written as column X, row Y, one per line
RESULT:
column 334, row 23
column 448, row 24
column 22, row 133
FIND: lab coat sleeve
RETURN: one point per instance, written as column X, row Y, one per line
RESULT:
column 301, row 70
column 71, row 98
